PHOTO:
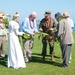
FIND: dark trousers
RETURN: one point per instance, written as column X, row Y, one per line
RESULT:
column 44, row 48
column 66, row 54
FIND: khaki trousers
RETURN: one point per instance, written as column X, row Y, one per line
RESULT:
column 2, row 45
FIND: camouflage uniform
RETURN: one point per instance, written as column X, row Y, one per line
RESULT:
column 45, row 25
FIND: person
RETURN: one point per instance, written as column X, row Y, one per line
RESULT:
column 58, row 17
column 47, row 24
column 66, row 38
column 72, row 26
column 15, row 55
column 69, row 20
column 29, row 26
column 3, row 35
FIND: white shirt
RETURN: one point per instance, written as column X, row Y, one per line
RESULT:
column 2, row 29
column 71, row 23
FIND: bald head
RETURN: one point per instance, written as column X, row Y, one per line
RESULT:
column 33, row 14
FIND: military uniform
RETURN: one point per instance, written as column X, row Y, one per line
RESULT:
column 46, row 25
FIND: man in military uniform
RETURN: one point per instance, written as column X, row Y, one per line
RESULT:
column 48, row 25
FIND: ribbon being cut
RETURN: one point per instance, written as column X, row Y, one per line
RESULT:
column 48, row 35
column 26, row 36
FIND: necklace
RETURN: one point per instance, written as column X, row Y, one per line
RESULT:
column 48, row 23
column 32, row 24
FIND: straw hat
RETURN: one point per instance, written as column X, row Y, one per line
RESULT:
column 66, row 14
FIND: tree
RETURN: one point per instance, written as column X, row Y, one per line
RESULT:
column 6, row 22
column 6, row 19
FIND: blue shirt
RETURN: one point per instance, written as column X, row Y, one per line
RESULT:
column 21, row 26
column 27, row 28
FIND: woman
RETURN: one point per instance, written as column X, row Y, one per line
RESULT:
column 15, row 55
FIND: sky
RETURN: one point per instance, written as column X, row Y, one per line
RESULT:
column 25, row 7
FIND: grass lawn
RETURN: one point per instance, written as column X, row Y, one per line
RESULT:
column 37, row 67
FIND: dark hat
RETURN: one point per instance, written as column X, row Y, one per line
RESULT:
column 58, row 15
column 47, row 13
column 1, row 17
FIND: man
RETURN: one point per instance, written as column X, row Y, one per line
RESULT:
column 47, row 25
column 30, row 28
column 2, row 38
column 58, row 17
column 69, row 20
column 71, row 23
column 66, row 38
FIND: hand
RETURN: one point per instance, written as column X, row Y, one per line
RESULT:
column 32, row 34
column 49, row 37
column 51, row 29
column 22, row 33
column 40, row 29
column 38, row 32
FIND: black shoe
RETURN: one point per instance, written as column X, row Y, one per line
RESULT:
column 64, row 66
column 2, row 58
column 43, row 59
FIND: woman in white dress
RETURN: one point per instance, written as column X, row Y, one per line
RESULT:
column 15, row 55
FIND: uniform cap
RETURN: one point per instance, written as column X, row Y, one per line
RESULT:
column 47, row 13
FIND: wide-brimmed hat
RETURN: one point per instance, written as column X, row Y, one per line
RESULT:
column 47, row 13
column 66, row 14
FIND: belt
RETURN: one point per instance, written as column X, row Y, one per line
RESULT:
column 2, row 35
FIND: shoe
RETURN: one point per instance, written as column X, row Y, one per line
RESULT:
column 52, row 58
column 64, row 66
column 69, row 62
column 30, row 59
column 26, row 60
column 2, row 58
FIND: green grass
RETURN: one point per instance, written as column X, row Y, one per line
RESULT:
column 37, row 67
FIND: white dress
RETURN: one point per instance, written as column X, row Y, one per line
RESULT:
column 15, row 55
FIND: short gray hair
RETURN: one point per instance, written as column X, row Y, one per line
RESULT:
column 34, row 14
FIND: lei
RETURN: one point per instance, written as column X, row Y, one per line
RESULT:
column 32, row 24
column 48, row 23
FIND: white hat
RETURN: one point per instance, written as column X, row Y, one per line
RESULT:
column 16, row 14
